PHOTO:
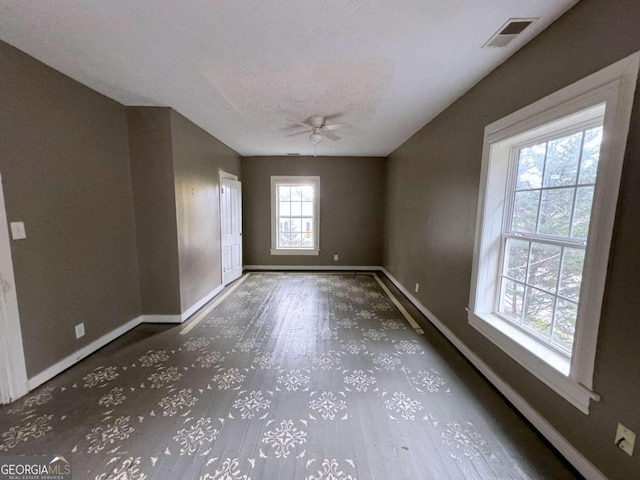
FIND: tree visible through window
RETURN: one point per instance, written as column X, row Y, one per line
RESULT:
column 545, row 234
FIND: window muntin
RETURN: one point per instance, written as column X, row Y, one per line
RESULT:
column 545, row 231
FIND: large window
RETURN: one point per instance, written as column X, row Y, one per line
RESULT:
column 294, row 215
column 549, row 187
column 545, row 231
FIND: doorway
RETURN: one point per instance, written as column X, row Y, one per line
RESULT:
column 231, row 227
column 13, row 374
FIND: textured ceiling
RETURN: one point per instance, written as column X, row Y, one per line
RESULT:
column 239, row 69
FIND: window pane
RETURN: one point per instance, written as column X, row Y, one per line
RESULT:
column 296, row 193
column 296, row 239
column 285, row 240
column 307, row 225
column 525, row 211
column 516, row 259
column 307, row 193
column 296, row 224
column 544, row 264
column 284, row 209
column 307, row 241
column 565, row 324
column 285, row 225
column 296, row 209
column 555, row 211
column 530, row 166
column 582, row 215
column 590, row 155
column 571, row 277
column 563, row 155
column 307, row 208
column 284, row 192
column 511, row 299
column 307, row 232
column 538, row 311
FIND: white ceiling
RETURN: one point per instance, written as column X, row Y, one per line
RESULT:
column 240, row 68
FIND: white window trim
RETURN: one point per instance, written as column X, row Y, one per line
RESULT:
column 279, row 180
column 614, row 85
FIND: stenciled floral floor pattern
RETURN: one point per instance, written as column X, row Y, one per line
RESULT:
column 292, row 376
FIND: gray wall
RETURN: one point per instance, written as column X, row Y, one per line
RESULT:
column 351, row 208
column 65, row 169
column 151, row 153
column 432, row 191
column 197, row 159
column 175, row 166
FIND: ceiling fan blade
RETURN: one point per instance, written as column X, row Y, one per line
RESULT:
column 330, row 135
column 298, row 133
column 333, row 116
column 296, row 122
column 333, row 126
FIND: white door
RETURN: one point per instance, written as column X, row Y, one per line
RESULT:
column 231, row 219
column 13, row 374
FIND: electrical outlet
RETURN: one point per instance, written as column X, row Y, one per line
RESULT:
column 17, row 230
column 79, row 330
column 417, row 289
column 625, row 439
column 335, row 257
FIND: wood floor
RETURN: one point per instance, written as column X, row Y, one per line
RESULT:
column 292, row 376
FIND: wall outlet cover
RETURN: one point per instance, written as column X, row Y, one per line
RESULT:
column 17, row 230
column 79, row 330
column 417, row 287
column 335, row 257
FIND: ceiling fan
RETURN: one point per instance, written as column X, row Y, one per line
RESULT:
column 318, row 128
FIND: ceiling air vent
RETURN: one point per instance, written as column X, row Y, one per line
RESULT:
column 508, row 32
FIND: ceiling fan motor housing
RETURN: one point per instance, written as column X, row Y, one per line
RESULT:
column 316, row 121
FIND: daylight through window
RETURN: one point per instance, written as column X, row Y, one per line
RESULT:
column 295, row 215
column 549, row 187
column 545, row 234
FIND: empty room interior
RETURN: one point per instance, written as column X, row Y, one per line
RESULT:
column 320, row 239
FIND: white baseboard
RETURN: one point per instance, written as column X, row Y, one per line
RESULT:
column 579, row 461
column 186, row 314
column 78, row 355
column 314, row 267
column 161, row 319
column 200, row 303
column 87, row 350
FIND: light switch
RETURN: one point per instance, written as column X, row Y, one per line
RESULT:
column 17, row 230
column 625, row 439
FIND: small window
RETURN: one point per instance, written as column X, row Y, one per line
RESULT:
column 548, row 194
column 295, row 215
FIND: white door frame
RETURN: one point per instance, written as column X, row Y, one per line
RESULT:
column 13, row 372
column 222, row 174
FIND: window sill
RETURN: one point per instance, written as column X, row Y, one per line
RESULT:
column 546, row 364
column 294, row 252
